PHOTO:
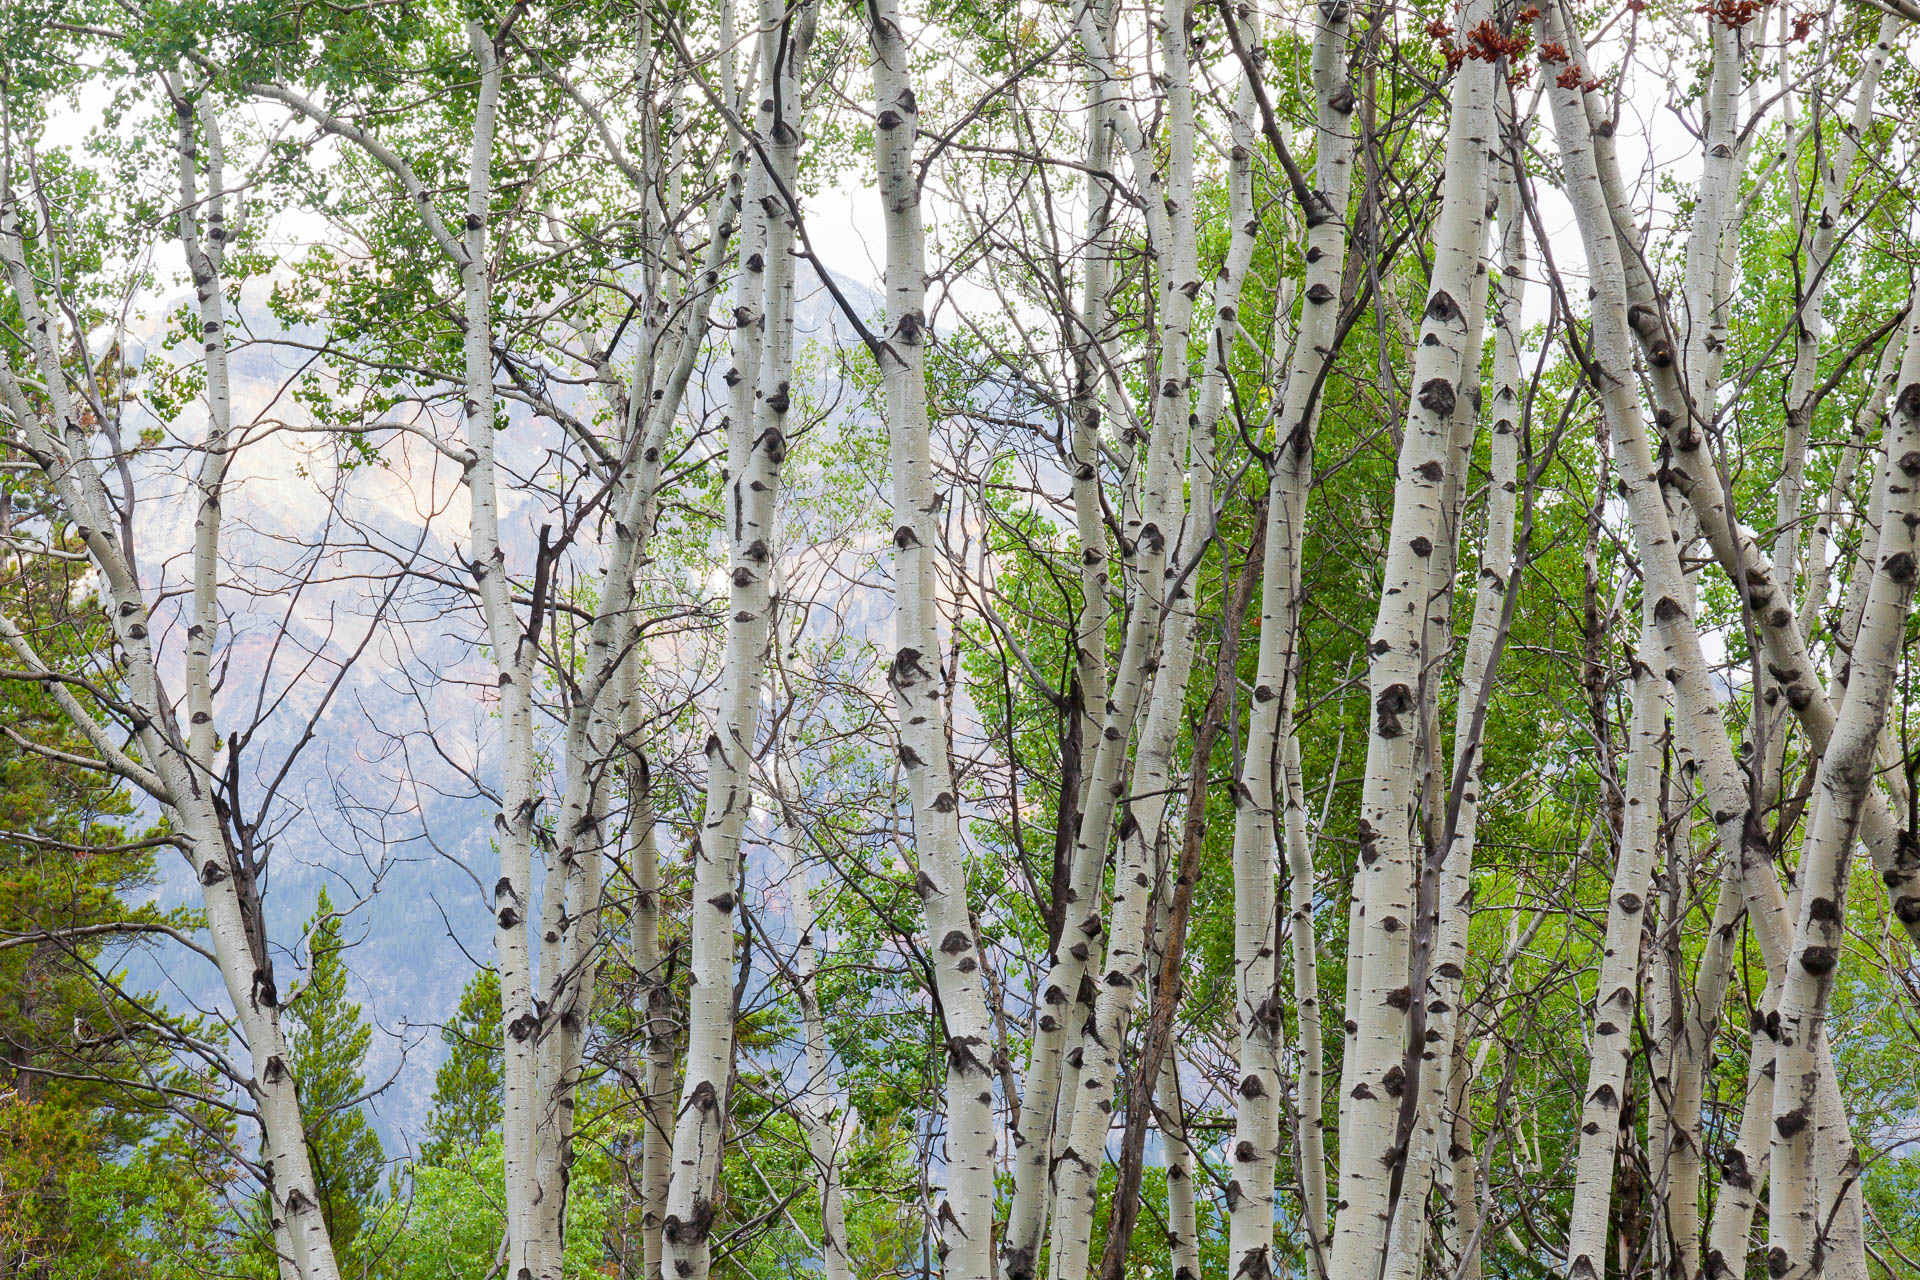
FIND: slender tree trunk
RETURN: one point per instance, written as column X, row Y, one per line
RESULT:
column 1374, row 1077
column 1697, row 717
column 1695, row 474
column 1270, row 760
column 1619, row 977
column 1105, row 1033
column 1454, row 891
column 1033, row 1135
column 60, row 444
column 965, row 1217
column 1743, row 1165
column 1809, row 1232
column 700, row 1125
column 655, row 1007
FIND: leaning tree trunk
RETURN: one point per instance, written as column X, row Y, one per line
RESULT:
column 1698, row 719
column 60, row 445
column 1809, row 1234
column 1695, row 474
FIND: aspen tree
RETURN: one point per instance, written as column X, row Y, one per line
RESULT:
column 1104, row 1033
column 1041, row 1093
column 1150, row 527
column 1375, row 1077
column 1811, row 1170
column 1696, row 715
column 965, row 1217
column 1618, row 981
column 58, row 442
column 1271, row 755
column 1820, row 229
column 700, row 1124
column 1492, row 584
column 655, row 1005
column 1696, row 476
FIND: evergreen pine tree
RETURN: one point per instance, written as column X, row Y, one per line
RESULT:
column 329, row 1049
column 466, row 1089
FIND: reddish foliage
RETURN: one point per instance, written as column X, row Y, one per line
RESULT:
column 1732, row 13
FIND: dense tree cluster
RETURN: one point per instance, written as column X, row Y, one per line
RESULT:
column 1179, row 639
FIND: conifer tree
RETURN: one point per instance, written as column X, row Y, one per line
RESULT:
column 466, row 1089
column 329, row 1040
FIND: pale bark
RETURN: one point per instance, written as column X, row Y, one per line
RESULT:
column 60, row 446
column 1697, row 716
column 754, row 473
column 1809, row 1233
column 1675, row 1141
column 1150, row 528
column 1694, row 474
column 1041, row 1093
column 1619, row 973
column 1819, row 572
column 1820, row 232
column 964, row 1220
column 1374, row 1076
column 1270, row 770
column 1743, row 1164
column 655, row 1004
column 1104, row 1034
column 1454, row 892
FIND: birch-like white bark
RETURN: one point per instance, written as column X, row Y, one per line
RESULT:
column 754, row 471
column 60, row 445
column 1808, row 1234
column 1820, row 235
column 1619, row 975
column 655, row 1006
column 1271, row 767
column 1374, row 1077
column 1408, row 1243
column 1033, row 1135
column 1695, row 474
column 1813, row 598
column 1104, row 1036
column 1697, row 716
column 1743, row 1165
column 965, row 1217
column 1149, row 529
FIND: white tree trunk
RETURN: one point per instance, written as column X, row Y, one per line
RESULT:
column 700, row 1124
column 1619, row 976
column 1809, row 1233
column 1271, row 765
column 965, row 1217
column 1375, row 1076
column 60, row 446
column 1104, row 1035
column 1695, row 474
column 1408, row 1243
column 1697, row 716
